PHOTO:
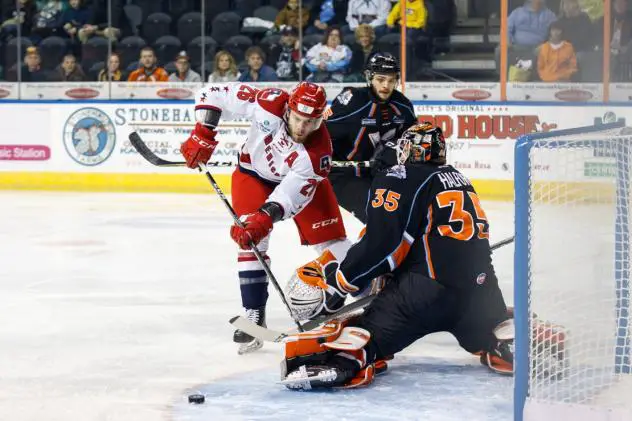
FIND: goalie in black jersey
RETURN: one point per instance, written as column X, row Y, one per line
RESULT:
column 427, row 228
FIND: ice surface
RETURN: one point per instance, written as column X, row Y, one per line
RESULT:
column 116, row 306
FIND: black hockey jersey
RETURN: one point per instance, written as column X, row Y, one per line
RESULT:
column 359, row 121
column 426, row 219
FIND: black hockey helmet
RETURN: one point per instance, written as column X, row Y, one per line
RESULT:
column 422, row 143
column 382, row 63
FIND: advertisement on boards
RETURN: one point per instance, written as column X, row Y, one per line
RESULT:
column 481, row 138
column 93, row 137
column 416, row 91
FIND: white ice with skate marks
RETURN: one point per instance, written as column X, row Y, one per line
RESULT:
column 414, row 388
column 116, row 307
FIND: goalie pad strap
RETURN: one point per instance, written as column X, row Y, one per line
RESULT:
column 363, row 378
column 350, row 339
column 311, row 342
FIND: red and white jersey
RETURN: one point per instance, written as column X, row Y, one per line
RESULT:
column 269, row 152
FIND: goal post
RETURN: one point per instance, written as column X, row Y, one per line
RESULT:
column 572, row 272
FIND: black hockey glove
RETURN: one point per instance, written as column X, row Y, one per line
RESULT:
column 384, row 157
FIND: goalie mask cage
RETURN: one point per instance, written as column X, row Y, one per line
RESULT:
column 572, row 274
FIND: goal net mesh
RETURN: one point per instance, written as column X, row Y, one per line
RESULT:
column 577, row 193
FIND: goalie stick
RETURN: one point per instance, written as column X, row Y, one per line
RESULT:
column 145, row 152
column 271, row 335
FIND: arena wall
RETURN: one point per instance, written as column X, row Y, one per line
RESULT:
column 84, row 146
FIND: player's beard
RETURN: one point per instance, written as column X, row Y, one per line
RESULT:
column 298, row 138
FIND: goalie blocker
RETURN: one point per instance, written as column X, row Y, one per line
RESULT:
column 443, row 277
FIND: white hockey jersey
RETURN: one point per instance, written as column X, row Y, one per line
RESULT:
column 372, row 12
column 269, row 152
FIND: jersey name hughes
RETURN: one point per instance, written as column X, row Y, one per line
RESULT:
column 451, row 180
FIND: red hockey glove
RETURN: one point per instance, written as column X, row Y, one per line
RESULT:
column 256, row 226
column 199, row 146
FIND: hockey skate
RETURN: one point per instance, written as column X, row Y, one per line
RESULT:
column 246, row 342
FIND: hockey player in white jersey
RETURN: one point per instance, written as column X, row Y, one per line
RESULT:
column 282, row 173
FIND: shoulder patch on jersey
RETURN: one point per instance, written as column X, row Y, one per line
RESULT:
column 264, row 126
column 318, row 147
column 345, row 96
column 325, row 163
column 398, row 171
column 273, row 100
column 328, row 112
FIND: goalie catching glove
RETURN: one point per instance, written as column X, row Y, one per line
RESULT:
column 318, row 287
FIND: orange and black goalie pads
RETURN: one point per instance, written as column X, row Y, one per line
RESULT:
column 548, row 350
column 317, row 347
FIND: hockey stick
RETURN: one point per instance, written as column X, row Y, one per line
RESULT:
column 271, row 335
column 154, row 159
column 502, row 243
column 142, row 149
column 252, row 245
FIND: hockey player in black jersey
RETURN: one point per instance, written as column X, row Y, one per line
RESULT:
column 427, row 228
column 362, row 120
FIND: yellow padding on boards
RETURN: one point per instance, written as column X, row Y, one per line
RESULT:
column 169, row 183
column 112, row 182
column 494, row 189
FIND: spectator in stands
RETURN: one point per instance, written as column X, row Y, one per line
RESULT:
column 22, row 17
column 577, row 27
column 527, row 28
column 47, row 20
column 361, row 50
column 528, row 25
column 370, row 12
column 257, row 71
column 113, row 70
column 556, row 60
column 224, row 68
column 327, row 13
column 32, row 69
column 620, row 41
column 621, row 28
column 289, row 16
column 184, row 72
column 69, row 70
column 74, row 18
column 416, row 17
column 593, row 8
column 148, row 70
column 287, row 55
column 442, row 16
column 98, row 22
column 328, row 60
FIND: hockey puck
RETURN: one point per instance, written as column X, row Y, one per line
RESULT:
column 196, row 398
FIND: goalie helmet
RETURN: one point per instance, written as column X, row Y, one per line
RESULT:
column 308, row 100
column 421, row 143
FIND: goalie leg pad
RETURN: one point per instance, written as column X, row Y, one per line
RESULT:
column 333, row 356
column 351, row 338
column 500, row 358
column 548, row 345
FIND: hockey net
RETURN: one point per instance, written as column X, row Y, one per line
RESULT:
column 572, row 274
